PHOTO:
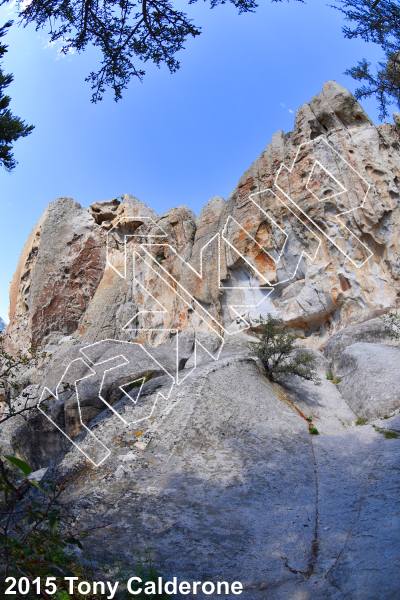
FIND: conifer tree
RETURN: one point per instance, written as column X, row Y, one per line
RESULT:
column 376, row 21
column 11, row 128
column 127, row 31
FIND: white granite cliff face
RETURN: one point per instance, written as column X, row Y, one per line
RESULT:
column 312, row 229
column 315, row 241
column 214, row 466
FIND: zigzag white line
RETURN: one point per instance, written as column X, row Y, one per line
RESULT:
column 192, row 302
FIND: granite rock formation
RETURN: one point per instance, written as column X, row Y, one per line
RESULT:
column 148, row 320
column 226, row 483
column 60, row 267
column 311, row 230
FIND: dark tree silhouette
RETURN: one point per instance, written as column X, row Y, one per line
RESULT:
column 11, row 128
column 154, row 30
column 376, row 21
column 148, row 30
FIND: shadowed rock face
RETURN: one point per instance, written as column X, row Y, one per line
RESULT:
column 229, row 473
column 119, row 370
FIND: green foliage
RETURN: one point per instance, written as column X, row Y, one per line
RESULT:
column 26, row 470
column 22, row 466
column 390, row 435
column 37, row 540
column 138, row 383
column 313, row 430
column 11, row 128
column 376, row 21
column 392, row 324
column 10, row 366
column 330, row 377
column 31, row 543
column 276, row 350
column 361, row 421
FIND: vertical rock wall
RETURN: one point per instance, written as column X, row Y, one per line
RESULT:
column 311, row 233
column 58, row 272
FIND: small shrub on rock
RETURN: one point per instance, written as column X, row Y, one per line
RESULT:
column 12, row 401
column 35, row 528
column 277, row 352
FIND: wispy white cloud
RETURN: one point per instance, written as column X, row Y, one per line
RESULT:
column 57, row 45
column 10, row 8
column 284, row 106
column 11, row 5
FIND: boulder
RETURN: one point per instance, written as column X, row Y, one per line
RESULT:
column 371, row 332
column 370, row 379
column 99, row 375
column 104, row 212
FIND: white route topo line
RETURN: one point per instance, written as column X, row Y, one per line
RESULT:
column 187, row 298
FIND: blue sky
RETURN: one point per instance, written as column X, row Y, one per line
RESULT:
column 173, row 139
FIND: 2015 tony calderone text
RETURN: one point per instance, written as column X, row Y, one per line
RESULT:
column 134, row 586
